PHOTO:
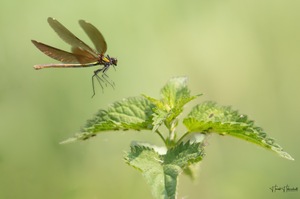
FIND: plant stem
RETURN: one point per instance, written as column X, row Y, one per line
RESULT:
column 184, row 135
column 161, row 136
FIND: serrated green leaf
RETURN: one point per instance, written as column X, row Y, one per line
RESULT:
column 184, row 154
column 149, row 162
column 133, row 113
column 159, row 118
column 161, row 170
column 157, row 103
column 159, row 112
column 175, row 90
column 209, row 117
column 175, row 94
column 143, row 157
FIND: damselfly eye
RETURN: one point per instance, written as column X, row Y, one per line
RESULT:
column 114, row 61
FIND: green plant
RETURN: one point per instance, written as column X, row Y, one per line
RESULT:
column 161, row 165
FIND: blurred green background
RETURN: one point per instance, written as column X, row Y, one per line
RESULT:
column 239, row 53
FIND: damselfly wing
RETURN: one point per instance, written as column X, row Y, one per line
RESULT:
column 81, row 54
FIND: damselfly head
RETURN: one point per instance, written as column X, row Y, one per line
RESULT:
column 114, row 61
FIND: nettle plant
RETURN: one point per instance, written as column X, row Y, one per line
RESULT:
column 161, row 166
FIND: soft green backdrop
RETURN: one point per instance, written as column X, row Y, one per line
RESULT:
column 240, row 53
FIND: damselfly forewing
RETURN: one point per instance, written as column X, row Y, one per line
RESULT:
column 81, row 54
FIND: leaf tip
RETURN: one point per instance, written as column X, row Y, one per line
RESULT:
column 285, row 155
column 69, row 140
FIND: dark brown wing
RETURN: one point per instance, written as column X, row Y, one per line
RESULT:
column 64, row 56
column 69, row 37
column 83, row 55
column 95, row 36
